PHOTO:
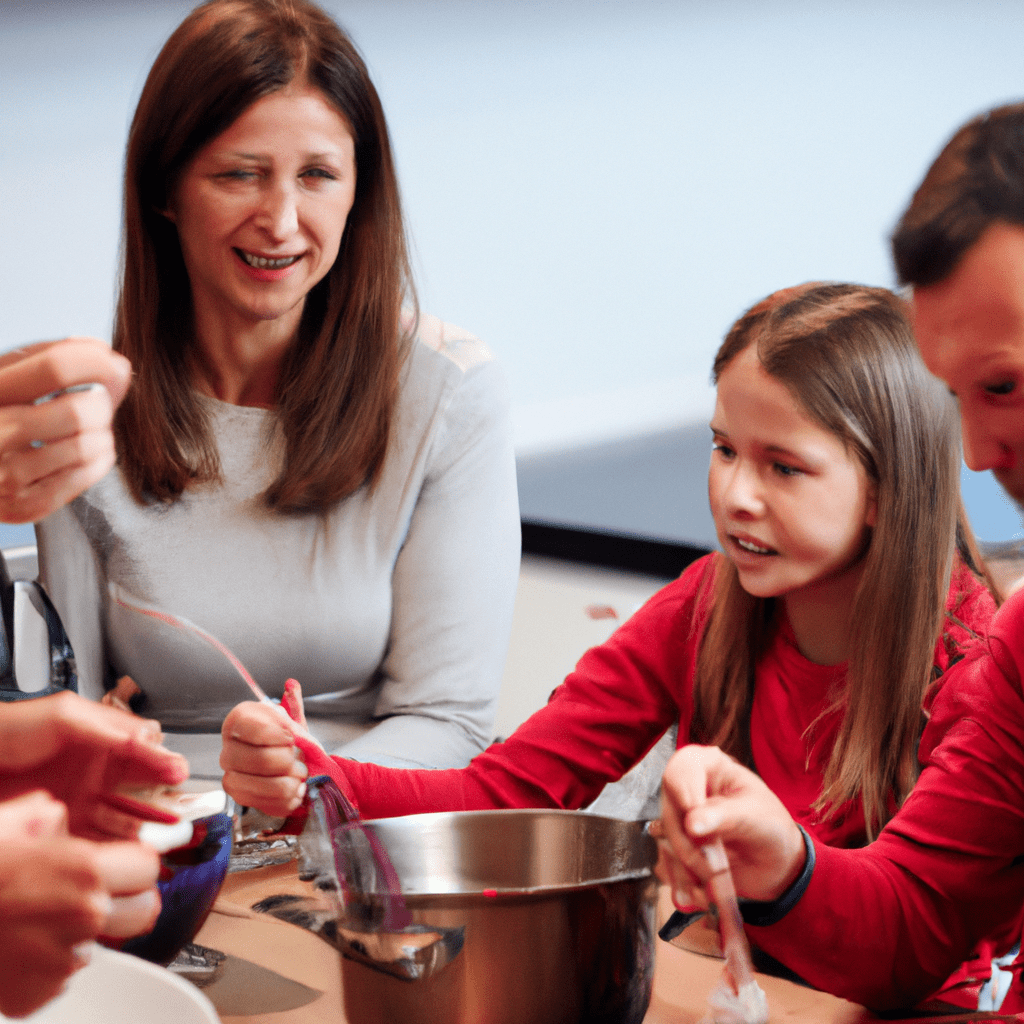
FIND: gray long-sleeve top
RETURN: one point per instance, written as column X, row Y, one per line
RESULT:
column 393, row 613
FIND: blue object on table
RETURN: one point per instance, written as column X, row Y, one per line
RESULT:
column 188, row 895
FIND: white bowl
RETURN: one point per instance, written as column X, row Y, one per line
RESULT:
column 115, row 988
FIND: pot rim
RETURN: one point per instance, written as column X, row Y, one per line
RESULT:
column 640, row 866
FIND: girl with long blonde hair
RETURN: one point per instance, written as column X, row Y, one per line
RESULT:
column 810, row 646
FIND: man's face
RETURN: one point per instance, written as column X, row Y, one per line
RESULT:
column 970, row 329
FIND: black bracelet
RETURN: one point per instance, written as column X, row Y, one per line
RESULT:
column 762, row 913
column 759, row 913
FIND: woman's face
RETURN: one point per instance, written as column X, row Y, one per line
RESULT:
column 260, row 209
column 792, row 507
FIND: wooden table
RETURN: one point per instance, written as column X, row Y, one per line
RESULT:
column 305, row 987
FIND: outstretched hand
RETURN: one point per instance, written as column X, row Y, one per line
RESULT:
column 706, row 795
column 57, row 893
column 53, row 448
column 83, row 754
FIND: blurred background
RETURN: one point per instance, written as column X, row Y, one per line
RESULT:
column 597, row 188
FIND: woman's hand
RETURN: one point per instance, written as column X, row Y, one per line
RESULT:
column 57, row 893
column 262, row 766
column 84, row 754
column 53, row 448
column 706, row 795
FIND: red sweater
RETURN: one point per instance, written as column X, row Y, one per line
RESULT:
column 625, row 693
column 884, row 925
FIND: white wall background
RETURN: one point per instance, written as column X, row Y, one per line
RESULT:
column 596, row 187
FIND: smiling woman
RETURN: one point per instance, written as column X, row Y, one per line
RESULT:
column 307, row 468
column 260, row 212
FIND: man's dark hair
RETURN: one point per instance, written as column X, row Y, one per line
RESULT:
column 977, row 179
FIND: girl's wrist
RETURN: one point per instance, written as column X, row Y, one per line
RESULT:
column 762, row 913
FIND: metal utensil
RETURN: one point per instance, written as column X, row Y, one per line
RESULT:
column 555, row 910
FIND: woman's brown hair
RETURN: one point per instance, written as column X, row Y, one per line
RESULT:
column 338, row 383
column 847, row 355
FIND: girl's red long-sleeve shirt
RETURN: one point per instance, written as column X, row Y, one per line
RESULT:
column 625, row 693
column 884, row 925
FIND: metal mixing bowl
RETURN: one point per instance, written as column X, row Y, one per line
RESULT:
column 515, row 915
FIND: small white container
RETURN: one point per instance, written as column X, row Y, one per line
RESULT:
column 115, row 988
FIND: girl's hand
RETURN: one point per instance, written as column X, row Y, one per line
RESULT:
column 261, row 763
column 57, row 893
column 706, row 795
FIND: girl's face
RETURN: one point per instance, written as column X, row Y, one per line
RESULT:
column 792, row 507
column 261, row 208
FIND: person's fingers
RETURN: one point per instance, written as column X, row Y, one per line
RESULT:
column 51, row 453
column 56, row 886
column 36, row 731
column 694, row 815
column 261, row 768
column 124, row 868
column 292, row 703
column 686, row 887
column 138, row 760
column 33, row 816
column 55, row 442
column 101, row 726
column 764, row 845
column 124, row 690
column 69, row 415
column 57, row 893
column 132, row 915
column 277, row 796
column 128, row 873
column 690, row 773
column 266, row 761
column 110, row 818
column 257, row 724
column 684, row 787
column 722, row 817
column 46, row 940
column 72, row 466
column 684, row 860
column 38, row 370
column 93, row 758
column 55, row 491
column 150, row 733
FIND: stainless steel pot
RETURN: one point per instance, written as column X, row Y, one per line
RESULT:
column 535, row 916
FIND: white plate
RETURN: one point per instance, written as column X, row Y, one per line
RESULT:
column 116, row 988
